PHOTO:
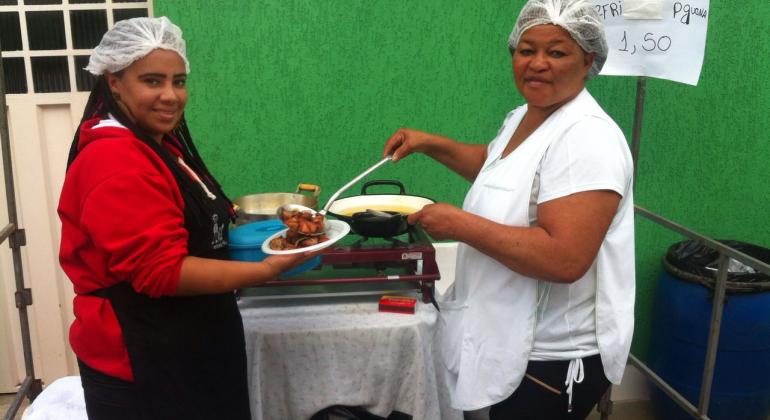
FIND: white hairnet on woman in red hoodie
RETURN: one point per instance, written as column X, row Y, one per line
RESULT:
column 132, row 39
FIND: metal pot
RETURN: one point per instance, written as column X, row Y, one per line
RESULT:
column 352, row 210
column 256, row 207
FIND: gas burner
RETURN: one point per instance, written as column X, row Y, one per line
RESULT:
column 393, row 242
column 408, row 258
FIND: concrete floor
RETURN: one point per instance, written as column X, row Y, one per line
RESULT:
column 631, row 410
column 5, row 403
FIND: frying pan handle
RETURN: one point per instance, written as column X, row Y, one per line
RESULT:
column 401, row 189
column 315, row 189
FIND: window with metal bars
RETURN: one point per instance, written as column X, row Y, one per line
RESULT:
column 46, row 43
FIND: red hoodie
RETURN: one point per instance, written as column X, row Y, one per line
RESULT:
column 122, row 219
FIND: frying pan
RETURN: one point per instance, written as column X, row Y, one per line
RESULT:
column 353, row 210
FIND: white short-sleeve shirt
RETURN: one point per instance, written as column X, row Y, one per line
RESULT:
column 490, row 316
column 582, row 160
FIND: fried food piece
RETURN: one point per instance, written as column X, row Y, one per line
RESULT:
column 305, row 229
column 293, row 236
column 305, row 222
column 281, row 244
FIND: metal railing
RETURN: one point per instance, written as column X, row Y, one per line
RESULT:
column 725, row 254
column 718, row 302
column 30, row 386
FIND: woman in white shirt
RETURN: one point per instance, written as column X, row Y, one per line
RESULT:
column 540, row 318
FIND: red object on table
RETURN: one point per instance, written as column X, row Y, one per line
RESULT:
column 397, row 304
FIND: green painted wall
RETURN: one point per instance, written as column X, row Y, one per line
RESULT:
column 290, row 91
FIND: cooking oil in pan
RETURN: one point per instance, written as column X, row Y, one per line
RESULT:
column 382, row 207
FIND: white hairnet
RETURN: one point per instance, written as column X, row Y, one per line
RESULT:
column 132, row 39
column 578, row 17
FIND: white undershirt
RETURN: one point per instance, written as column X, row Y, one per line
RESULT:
column 565, row 327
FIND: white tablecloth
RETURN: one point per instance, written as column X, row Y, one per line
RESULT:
column 306, row 356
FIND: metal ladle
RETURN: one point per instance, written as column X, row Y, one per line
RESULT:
column 322, row 212
column 378, row 213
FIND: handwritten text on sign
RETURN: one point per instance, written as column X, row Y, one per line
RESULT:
column 667, row 46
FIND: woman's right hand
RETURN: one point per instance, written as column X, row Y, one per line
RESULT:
column 201, row 276
column 404, row 142
column 282, row 263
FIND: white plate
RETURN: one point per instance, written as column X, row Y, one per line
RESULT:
column 335, row 230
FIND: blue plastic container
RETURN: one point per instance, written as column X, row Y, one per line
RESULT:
column 741, row 385
column 246, row 244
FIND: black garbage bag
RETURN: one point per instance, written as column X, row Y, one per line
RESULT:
column 692, row 261
column 341, row 412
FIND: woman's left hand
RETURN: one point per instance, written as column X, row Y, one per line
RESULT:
column 439, row 220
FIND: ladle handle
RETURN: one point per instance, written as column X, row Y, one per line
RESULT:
column 356, row 179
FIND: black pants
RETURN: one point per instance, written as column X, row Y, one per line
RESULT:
column 107, row 397
column 534, row 401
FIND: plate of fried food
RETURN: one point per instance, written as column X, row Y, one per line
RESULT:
column 305, row 231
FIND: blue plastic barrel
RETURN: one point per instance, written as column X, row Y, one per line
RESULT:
column 681, row 320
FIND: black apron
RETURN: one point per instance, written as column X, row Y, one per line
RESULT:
column 187, row 353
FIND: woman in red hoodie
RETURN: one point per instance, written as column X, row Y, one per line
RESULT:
column 157, row 331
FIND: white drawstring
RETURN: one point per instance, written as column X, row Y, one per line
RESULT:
column 575, row 374
column 197, row 178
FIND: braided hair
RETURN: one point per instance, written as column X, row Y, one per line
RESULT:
column 101, row 103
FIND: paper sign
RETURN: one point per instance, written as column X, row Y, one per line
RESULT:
column 670, row 47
